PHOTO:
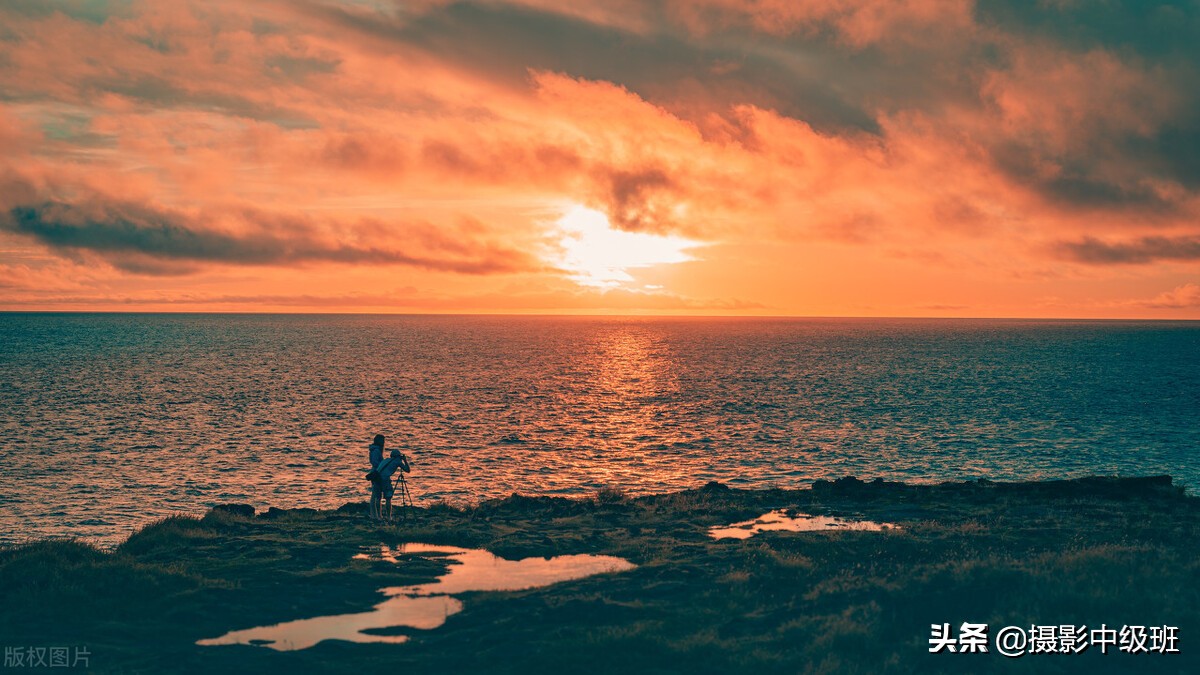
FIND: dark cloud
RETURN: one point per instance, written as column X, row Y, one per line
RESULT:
column 160, row 92
column 161, row 84
column 92, row 11
column 149, row 241
column 296, row 68
column 1106, row 168
column 811, row 75
column 1075, row 184
column 633, row 199
column 506, row 42
column 1150, row 28
column 1174, row 149
column 1137, row 252
column 1159, row 38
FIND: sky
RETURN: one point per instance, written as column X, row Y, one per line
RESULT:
column 941, row 158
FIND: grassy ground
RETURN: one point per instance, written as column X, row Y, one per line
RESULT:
column 1067, row 552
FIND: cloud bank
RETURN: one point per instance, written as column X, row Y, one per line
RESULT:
column 838, row 156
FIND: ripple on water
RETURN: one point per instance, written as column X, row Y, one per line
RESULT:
column 91, row 402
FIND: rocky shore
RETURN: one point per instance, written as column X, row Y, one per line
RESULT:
column 1115, row 551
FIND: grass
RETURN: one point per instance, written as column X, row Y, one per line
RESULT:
column 1080, row 552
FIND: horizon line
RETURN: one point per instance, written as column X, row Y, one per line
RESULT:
column 594, row 315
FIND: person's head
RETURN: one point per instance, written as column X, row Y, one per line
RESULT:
column 395, row 453
column 379, row 440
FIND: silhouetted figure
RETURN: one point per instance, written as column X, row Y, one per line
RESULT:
column 375, row 451
column 375, row 457
column 382, row 486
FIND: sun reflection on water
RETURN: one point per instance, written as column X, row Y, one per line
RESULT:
column 626, row 406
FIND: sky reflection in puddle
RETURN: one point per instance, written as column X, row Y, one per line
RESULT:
column 425, row 606
column 779, row 520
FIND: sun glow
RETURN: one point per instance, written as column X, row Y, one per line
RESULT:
column 597, row 255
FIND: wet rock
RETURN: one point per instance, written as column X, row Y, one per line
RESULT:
column 273, row 513
column 1111, row 487
column 244, row 510
column 845, row 485
column 518, row 504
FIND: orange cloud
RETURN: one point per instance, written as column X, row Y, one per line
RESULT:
column 885, row 158
column 1186, row 296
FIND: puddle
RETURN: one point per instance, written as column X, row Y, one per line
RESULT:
column 779, row 520
column 424, row 606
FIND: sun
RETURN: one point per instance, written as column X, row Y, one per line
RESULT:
column 597, row 255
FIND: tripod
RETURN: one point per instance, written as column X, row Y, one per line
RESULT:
column 400, row 490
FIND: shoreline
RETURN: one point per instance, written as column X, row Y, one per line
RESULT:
column 108, row 544
column 1092, row 550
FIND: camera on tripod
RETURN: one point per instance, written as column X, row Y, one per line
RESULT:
column 400, row 488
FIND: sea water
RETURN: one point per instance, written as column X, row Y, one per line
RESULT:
column 110, row 421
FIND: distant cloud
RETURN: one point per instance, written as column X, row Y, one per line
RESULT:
column 1186, row 296
column 1141, row 251
column 144, row 240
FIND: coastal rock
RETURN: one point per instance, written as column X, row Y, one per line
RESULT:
column 244, row 510
column 273, row 512
column 1112, row 487
column 527, row 505
column 847, row 484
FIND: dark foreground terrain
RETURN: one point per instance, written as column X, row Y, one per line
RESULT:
column 1086, row 552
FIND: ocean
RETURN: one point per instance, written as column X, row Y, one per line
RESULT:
column 111, row 421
